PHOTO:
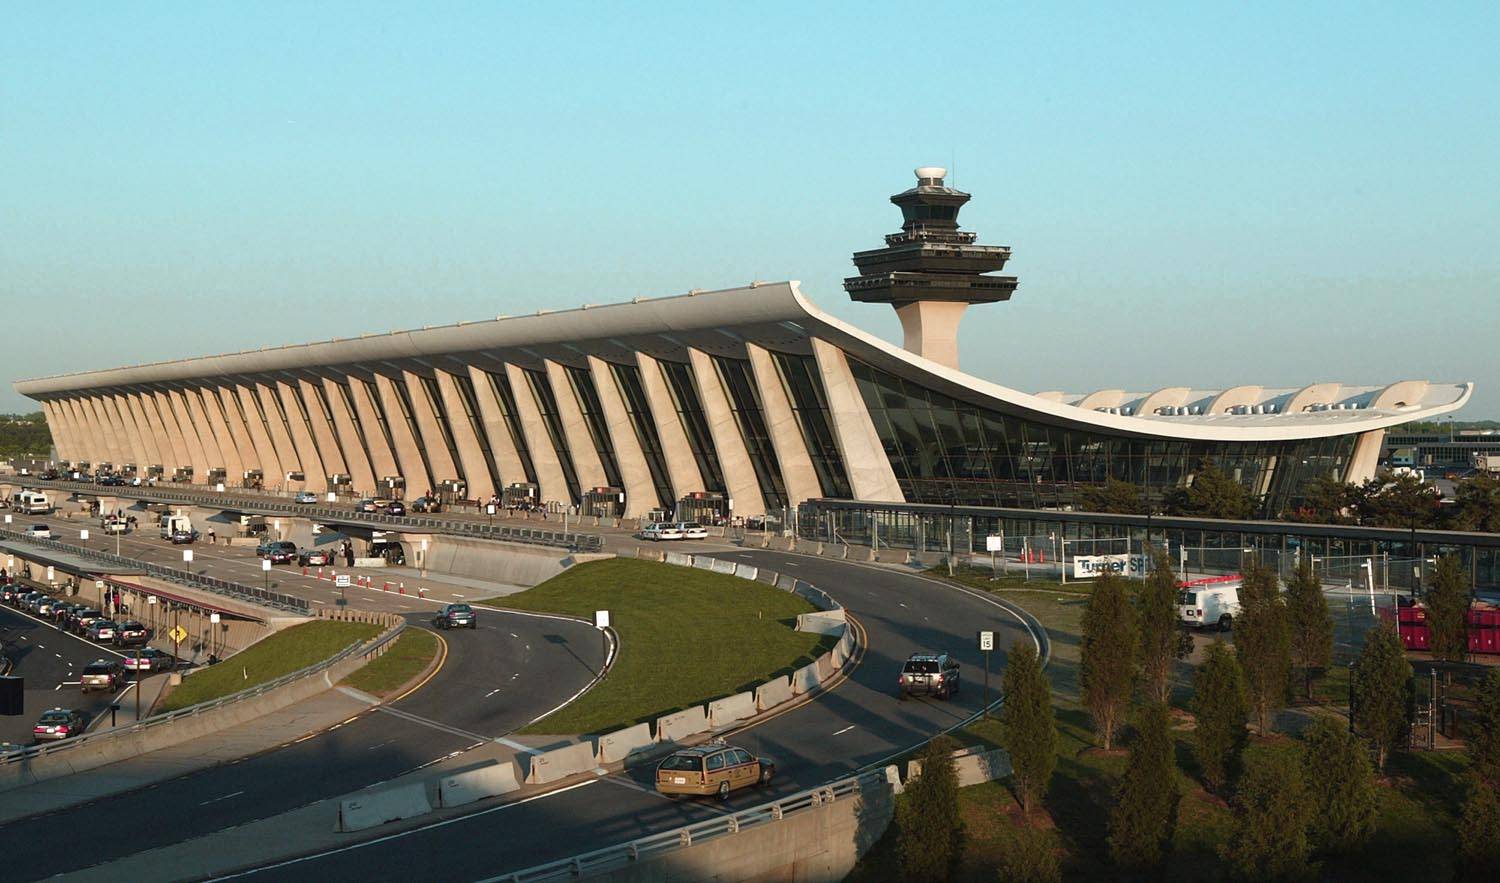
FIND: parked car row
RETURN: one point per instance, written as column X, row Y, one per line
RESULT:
column 80, row 618
column 381, row 506
column 673, row 530
column 286, row 552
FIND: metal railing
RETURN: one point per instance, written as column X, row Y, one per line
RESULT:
column 258, row 505
column 223, row 587
column 650, row 846
column 90, row 739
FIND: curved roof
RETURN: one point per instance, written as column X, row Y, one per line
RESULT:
column 778, row 313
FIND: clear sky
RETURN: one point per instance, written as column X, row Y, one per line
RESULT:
column 1275, row 193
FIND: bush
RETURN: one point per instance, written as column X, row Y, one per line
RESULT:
column 1478, row 846
column 1220, row 707
column 1341, row 787
column 1270, row 818
column 1029, row 855
column 1028, row 732
column 929, row 831
column 1145, row 813
column 1107, row 670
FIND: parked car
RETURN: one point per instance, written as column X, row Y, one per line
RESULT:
column 114, row 525
column 59, row 723
column 692, row 530
column 366, row 506
column 10, row 592
column 102, row 630
column 45, row 605
column 181, row 537
column 932, row 674
column 131, row 634
column 81, row 618
column 278, row 551
column 29, row 600
column 454, row 616
column 661, row 530
column 102, row 674
column 39, row 532
column 314, row 557
column 1204, row 604
column 148, row 659
column 394, row 507
column 713, row 768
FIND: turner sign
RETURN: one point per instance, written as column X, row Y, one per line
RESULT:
column 1088, row 566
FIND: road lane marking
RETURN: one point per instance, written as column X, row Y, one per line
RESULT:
column 844, row 730
column 492, row 692
column 427, row 722
column 217, row 799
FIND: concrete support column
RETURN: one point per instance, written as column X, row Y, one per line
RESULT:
column 108, row 436
column 496, row 429
column 281, row 441
column 213, row 455
column 870, row 474
column 551, row 485
column 786, row 436
column 640, row 490
column 382, row 458
column 470, row 454
column 931, row 329
column 62, row 438
column 237, row 430
column 408, row 448
column 156, row 444
column 682, row 466
column 361, row 473
column 88, row 439
column 229, row 452
column 307, row 449
column 426, row 417
column 197, row 453
column 327, row 442
column 1366, row 459
column 734, row 459
column 586, row 461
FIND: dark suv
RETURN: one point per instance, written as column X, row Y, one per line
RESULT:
column 932, row 674
column 278, row 551
column 454, row 616
column 131, row 634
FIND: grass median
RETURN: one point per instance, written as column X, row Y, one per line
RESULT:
column 686, row 635
column 408, row 658
column 280, row 654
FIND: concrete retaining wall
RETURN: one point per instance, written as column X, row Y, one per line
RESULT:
column 973, row 766
column 372, row 808
column 738, row 707
column 721, row 566
column 703, row 563
column 682, row 724
column 472, row 785
column 559, row 763
column 680, row 559
column 619, row 746
column 513, row 563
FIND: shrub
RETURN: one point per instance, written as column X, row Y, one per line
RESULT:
column 1270, row 814
column 1309, row 623
column 1263, row 643
column 1029, row 855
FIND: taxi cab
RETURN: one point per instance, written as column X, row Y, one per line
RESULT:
column 713, row 768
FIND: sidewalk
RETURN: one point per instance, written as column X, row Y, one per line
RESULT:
column 269, row 731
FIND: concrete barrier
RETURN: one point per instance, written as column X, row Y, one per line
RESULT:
column 768, row 577
column 814, row 595
column 828, row 622
column 680, row 559
column 772, row 693
column 473, row 785
column 893, row 778
column 703, row 562
column 679, row 726
column 620, row 745
column 721, row 566
column 826, row 668
column 724, row 711
column 973, row 765
column 368, row 809
column 559, row 763
column 786, row 582
column 745, row 571
column 806, row 679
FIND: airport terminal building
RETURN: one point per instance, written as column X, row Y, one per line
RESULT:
column 741, row 402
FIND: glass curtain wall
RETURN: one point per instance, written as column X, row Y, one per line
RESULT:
column 500, row 385
column 744, row 401
column 679, row 380
column 582, row 381
column 435, row 402
column 541, row 391
column 804, row 389
column 465, row 388
column 633, row 394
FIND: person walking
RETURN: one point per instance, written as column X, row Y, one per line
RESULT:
column 210, row 536
column 348, row 553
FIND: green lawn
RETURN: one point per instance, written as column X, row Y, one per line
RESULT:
column 1413, row 840
column 280, row 654
column 687, row 636
column 411, row 655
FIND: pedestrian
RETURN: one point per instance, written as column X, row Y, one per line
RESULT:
column 210, row 536
column 348, row 553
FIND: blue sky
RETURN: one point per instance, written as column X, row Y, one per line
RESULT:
column 1275, row 194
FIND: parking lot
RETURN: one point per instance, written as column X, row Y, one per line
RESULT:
column 51, row 661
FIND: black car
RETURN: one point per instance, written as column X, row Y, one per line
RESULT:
column 131, row 634
column 278, row 551
column 426, row 504
column 394, row 507
column 454, row 616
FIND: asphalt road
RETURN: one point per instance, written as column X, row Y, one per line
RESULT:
column 497, row 678
column 51, row 661
column 861, row 722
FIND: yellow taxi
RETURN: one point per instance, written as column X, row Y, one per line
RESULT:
column 712, row 768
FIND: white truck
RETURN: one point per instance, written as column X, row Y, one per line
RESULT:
column 1211, row 602
column 171, row 524
column 30, row 502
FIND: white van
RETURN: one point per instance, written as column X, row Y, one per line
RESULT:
column 30, row 502
column 1212, row 602
column 171, row 524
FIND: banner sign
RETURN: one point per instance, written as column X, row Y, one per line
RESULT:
column 1090, row 566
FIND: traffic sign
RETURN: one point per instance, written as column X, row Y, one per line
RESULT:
column 177, row 633
column 342, row 581
column 986, row 640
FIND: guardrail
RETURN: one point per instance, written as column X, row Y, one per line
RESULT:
column 577, row 542
column 91, row 739
column 621, row 854
column 213, row 584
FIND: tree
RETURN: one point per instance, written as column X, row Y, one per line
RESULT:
column 929, row 830
column 1448, row 611
column 1213, row 493
column 1340, row 785
column 1309, row 624
column 1270, row 813
column 1263, row 642
column 1484, row 744
column 1028, row 732
column 1107, row 671
column 1382, row 691
column 1145, row 812
column 1220, row 707
column 1390, row 500
column 1476, row 504
column 1327, row 500
column 1162, row 640
column 1478, row 847
column 1119, row 497
column 1029, row 855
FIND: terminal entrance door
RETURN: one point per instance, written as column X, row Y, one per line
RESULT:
column 704, row 507
column 604, row 502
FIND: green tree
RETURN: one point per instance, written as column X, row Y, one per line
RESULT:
column 1118, row 497
column 1028, row 732
column 1263, row 642
column 1270, row 814
column 1382, row 692
column 1162, row 640
column 1145, row 812
column 1028, row 855
column 929, row 831
column 1478, row 847
column 1390, row 500
column 1213, row 493
column 1476, row 504
column 1340, row 786
column 1484, row 744
column 1327, row 500
column 1309, row 624
column 1107, row 671
column 1220, row 707
column 1448, row 611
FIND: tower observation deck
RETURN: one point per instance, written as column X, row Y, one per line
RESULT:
column 931, row 271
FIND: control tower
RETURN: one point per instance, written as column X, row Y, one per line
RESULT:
column 931, row 271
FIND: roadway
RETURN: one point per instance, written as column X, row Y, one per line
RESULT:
column 51, row 661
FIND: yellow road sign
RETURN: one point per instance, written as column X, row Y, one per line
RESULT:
column 177, row 633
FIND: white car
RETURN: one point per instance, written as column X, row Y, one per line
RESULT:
column 692, row 530
column 307, row 497
column 116, row 525
column 39, row 532
column 661, row 530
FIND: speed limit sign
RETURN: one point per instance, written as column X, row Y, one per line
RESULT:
column 986, row 640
